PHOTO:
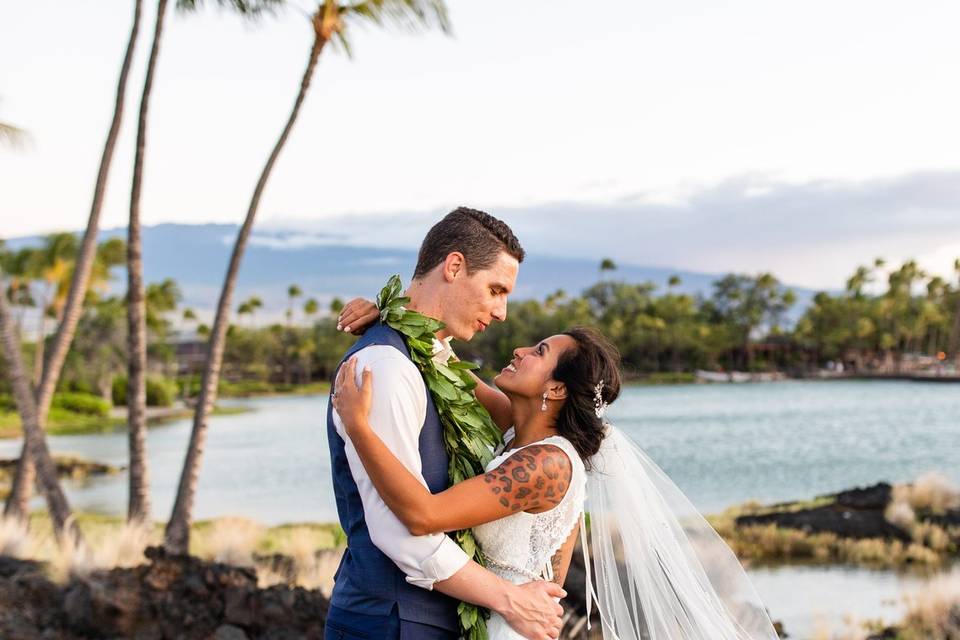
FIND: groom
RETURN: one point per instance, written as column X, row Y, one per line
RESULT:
column 392, row 585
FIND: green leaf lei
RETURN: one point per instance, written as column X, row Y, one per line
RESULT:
column 469, row 433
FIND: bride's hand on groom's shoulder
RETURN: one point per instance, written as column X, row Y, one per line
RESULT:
column 357, row 315
column 353, row 402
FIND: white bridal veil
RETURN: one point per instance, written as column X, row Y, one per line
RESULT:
column 662, row 572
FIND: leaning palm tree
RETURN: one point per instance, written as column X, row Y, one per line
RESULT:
column 17, row 502
column 35, row 445
column 329, row 22
column 138, row 504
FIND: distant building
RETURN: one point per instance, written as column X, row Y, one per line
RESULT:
column 190, row 352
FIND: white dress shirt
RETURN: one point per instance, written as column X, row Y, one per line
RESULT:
column 397, row 415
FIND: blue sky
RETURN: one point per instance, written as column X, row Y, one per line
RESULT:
column 798, row 137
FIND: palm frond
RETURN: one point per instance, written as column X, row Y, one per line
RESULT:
column 410, row 15
column 11, row 135
column 247, row 8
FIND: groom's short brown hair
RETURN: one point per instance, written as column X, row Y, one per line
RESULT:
column 477, row 235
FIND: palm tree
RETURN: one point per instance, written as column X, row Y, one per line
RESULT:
column 50, row 263
column 310, row 308
column 11, row 135
column 138, row 497
column 34, row 442
column 17, row 501
column 293, row 291
column 329, row 21
column 138, row 507
column 607, row 264
column 954, row 341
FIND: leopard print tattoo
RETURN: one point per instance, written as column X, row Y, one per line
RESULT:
column 533, row 479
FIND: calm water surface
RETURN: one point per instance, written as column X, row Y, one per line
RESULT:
column 722, row 444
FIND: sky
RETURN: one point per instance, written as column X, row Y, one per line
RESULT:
column 802, row 138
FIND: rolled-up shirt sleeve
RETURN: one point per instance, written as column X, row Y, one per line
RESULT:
column 397, row 415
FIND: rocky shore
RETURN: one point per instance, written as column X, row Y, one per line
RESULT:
column 168, row 597
column 70, row 467
column 855, row 513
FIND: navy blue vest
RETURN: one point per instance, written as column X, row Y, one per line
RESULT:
column 367, row 581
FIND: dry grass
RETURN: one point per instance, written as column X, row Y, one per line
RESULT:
column 313, row 550
column 15, row 539
column 933, row 613
column 932, row 545
column 934, row 492
column 230, row 540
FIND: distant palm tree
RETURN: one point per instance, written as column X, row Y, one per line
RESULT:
column 293, row 291
column 674, row 281
column 310, row 308
column 34, row 421
column 329, row 21
column 50, row 263
column 954, row 341
column 607, row 264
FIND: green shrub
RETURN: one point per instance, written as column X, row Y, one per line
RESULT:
column 161, row 392
column 85, row 403
column 118, row 391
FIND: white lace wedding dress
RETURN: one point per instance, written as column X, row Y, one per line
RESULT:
column 519, row 548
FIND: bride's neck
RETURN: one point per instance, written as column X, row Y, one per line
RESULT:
column 530, row 423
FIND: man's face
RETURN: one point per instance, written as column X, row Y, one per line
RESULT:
column 475, row 300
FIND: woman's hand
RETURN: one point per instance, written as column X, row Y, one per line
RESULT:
column 357, row 315
column 352, row 402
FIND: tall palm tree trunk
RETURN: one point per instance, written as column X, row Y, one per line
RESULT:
column 34, row 442
column 41, row 341
column 17, row 502
column 177, row 535
column 138, row 502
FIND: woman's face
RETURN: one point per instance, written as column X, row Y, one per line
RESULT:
column 530, row 373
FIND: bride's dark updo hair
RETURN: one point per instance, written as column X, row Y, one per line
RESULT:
column 580, row 369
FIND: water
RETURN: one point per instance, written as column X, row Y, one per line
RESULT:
column 722, row 444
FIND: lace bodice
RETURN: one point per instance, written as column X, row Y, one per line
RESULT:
column 520, row 546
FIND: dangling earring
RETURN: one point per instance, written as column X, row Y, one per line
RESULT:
column 543, row 405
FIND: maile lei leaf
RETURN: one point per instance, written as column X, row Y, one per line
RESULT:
column 469, row 434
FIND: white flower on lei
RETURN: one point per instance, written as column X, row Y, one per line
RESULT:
column 442, row 351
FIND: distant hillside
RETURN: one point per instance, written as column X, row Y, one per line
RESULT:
column 196, row 257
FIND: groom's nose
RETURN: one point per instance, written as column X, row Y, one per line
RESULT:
column 499, row 312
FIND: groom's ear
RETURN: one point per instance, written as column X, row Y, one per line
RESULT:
column 453, row 265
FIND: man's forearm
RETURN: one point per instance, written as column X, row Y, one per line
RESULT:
column 476, row 585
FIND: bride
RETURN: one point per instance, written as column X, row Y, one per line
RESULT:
column 660, row 572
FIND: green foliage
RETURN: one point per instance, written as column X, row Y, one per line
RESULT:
column 469, row 434
column 161, row 392
column 83, row 403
